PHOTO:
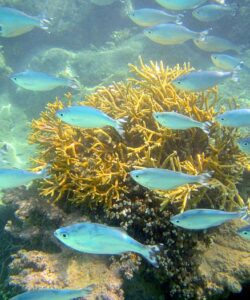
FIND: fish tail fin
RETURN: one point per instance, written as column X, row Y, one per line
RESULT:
column 244, row 214
column 179, row 18
column 204, row 178
column 119, row 126
column 74, row 84
column 150, row 254
column 86, row 291
column 44, row 23
column 203, row 34
column 206, row 127
column 235, row 76
column 234, row 8
column 43, row 173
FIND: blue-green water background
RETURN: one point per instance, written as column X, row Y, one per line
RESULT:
column 94, row 44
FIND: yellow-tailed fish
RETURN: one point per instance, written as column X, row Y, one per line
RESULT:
column 234, row 118
column 244, row 232
column 162, row 179
column 180, row 4
column 213, row 12
column 101, row 239
column 14, row 22
column 55, row 294
column 197, row 81
column 172, row 34
column 37, row 81
column 244, row 145
column 200, row 219
column 146, row 17
column 89, row 117
column 12, row 178
column 212, row 43
column 228, row 62
column 174, row 120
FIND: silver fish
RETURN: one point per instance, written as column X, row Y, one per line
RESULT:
column 101, row 239
column 162, row 179
column 213, row 12
column 200, row 219
column 175, row 120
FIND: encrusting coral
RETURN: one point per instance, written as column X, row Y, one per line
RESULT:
column 90, row 166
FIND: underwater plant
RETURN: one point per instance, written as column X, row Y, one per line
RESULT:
column 91, row 166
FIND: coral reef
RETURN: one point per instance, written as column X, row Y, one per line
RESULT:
column 91, row 166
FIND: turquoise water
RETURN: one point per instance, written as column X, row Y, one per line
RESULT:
column 92, row 45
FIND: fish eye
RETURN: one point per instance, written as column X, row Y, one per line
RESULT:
column 61, row 114
column 222, row 119
column 245, row 144
column 65, row 235
column 177, row 221
column 179, row 82
column 149, row 31
column 14, row 78
column 245, row 232
column 137, row 176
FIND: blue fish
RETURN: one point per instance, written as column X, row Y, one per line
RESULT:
column 174, row 120
column 244, row 232
column 172, row 34
column 14, row 22
column 149, row 17
column 37, row 81
column 213, row 12
column 200, row 219
column 89, row 117
column 162, row 179
column 197, row 81
column 101, row 239
column 244, row 145
column 55, row 294
column 234, row 118
column 12, row 178
column 226, row 62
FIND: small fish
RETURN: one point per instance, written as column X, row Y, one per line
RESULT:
column 101, row 239
column 14, row 22
column 55, row 294
column 235, row 118
column 146, row 17
column 244, row 145
column 212, row 43
column 212, row 12
column 102, row 2
column 37, row 81
column 89, row 117
column 12, row 178
column 172, row 34
column 200, row 219
column 244, row 232
column 197, row 81
column 180, row 4
column 226, row 62
column 175, row 120
column 162, row 179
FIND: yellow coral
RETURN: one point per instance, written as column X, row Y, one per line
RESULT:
column 92, row 165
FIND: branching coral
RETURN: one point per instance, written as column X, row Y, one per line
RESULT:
column 92, row 165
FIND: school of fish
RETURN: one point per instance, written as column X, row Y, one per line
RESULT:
column 163, row 26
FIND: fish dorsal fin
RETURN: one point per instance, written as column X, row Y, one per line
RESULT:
column 119, row 229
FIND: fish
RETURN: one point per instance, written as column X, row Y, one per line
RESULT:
column 12, row 178
column 228, row 62
column 14, row 22
column 103, row 2
column 37, row 81
column 89, row 117
column 55, row 294
column 200, row 219
column 180, row 4
column 213, row 12
column 244, row 232
column 174, row 120
column 211, row 43
column 172, row 34
column 234, row 118
column 96, row 238
column 147, row 17
column 244, row 145
column 197, row 81
column 162, row 179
